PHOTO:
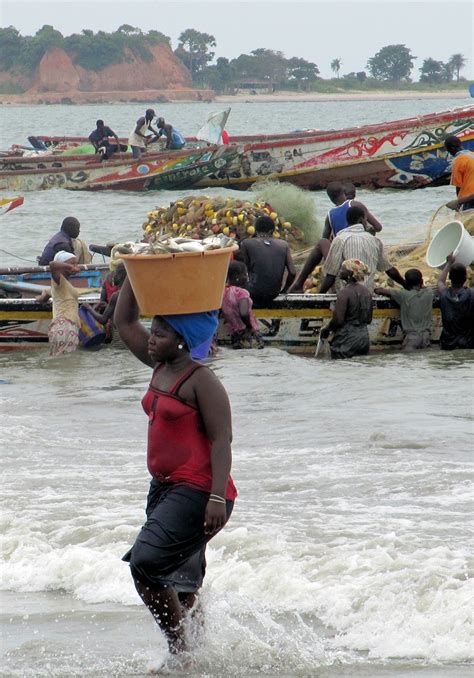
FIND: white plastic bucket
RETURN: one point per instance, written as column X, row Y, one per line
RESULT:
column 452, row 237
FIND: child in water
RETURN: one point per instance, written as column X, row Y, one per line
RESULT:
column 104, row 311
column 237, row 309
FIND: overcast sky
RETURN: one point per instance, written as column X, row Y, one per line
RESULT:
column 318, row 31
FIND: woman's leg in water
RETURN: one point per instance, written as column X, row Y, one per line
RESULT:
column 165, row 606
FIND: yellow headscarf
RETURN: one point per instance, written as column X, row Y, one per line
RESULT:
column 358, row 269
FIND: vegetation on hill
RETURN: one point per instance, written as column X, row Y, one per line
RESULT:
column 93, row 51
column 264, row 69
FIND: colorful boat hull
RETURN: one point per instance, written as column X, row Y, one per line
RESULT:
column 166, row 170
column 405, row 153
column 401, row 154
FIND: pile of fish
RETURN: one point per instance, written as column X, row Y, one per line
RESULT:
column 200, row 216
column 167, row 245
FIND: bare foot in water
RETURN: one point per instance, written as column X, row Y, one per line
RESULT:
column 172, row 663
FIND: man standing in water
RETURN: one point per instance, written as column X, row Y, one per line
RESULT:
column 416, row 305
column 189, row 457
column 457, row 307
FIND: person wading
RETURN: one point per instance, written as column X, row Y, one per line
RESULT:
column 352, row 313
column 189, row 458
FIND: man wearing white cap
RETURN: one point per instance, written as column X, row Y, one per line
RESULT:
column 63, row 332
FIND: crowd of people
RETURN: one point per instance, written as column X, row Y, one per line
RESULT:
column 264, row 268
column 350, row 249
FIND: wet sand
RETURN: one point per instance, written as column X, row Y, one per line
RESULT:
column 207, row 96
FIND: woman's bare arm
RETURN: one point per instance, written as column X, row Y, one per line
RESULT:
column 214, row 407
column 127, row 321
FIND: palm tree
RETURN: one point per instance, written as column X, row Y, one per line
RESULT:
column 336, row 66
column 456, row 63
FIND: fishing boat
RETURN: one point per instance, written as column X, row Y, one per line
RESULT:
column 292, row 322
column 155, row 171
column 406, row 153
column 400, row 154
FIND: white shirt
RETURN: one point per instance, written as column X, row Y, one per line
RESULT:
column 354, row 242
column 135, row 139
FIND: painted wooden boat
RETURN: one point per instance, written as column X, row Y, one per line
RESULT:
column 399, row 154
column 292, row 323
column 155, row 171
column 405, row 153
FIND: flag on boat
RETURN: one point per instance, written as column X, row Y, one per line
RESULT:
column 212, row 130
column 8, row 204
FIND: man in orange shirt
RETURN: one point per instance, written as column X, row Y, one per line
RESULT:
column 462, row 174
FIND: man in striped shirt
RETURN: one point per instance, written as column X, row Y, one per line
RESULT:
column 354, row 242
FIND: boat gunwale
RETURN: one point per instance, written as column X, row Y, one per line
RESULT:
column 319, row 135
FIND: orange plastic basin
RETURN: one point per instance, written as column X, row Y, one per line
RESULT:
column 185, row 282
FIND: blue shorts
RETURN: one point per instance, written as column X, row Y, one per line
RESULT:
column 170, row 548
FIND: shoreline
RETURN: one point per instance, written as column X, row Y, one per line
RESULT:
column 378, row 95
column 207, row 96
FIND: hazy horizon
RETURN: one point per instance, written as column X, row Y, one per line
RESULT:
column 318, row 31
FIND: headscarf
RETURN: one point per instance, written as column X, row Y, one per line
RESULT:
column 358, row 269
column 63, row 256
column 195, row 328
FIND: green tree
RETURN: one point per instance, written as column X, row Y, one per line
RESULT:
column 457, row 63
column 219, row 77
column 336, row 66
column 432, row 71
column 156, row 37
column 193, row 50
column 11, row 44
column 129, row 30
column 245, row 66
column 393, row 62
column 95, row 51
column 271, row 65
column 301, row 71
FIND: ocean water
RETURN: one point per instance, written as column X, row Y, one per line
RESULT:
column 349, row 552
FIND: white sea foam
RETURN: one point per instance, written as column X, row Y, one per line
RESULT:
column 349, row 542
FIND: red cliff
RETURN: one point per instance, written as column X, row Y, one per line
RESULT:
column 58, row 78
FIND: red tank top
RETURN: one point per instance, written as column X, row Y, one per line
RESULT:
column 178, row 449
